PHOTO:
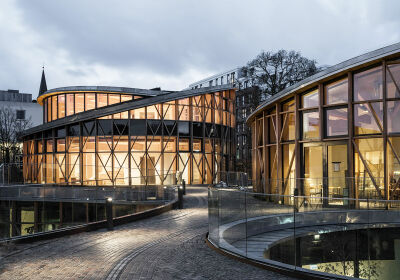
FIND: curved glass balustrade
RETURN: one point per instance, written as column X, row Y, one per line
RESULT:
column 313, row 234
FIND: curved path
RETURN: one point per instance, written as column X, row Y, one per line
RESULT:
column 168, row 246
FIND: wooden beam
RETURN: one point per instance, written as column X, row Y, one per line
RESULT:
column 288, row 173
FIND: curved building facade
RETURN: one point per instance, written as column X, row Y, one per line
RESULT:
column 335, row 134
column 109, row 136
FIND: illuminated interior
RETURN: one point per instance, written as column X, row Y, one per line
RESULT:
column 186, row 138
column 348, row 136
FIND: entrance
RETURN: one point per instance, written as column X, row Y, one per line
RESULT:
column 325, row 170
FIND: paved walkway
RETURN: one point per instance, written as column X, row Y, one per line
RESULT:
column 168, row 246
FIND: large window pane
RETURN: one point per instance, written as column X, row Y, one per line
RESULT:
column 311, row 125
column 79, row 102
column 336, row 92
column 393, row 116
column 370, row 158
column 393, row 166
column 114, row 99
column 169, row 110
column 154, row 112
column 310, row 99
column 138, row 114
column 368, row 84
column 48, row 101
column 365, row 118
column 70, row 104
column 289, row 168
column 102, row 100
column 89, row 175
column 288, row 105
column 125, row 98
column 61, row 106
column 90, row 101
column 336, row 122
column 313, row 171
column 393, row 81
column 289, row 131
column 54, row 107
column 337, row 172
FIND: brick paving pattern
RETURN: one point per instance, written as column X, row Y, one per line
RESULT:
column 168, row 246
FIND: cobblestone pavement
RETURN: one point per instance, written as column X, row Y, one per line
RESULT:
column 168, row 246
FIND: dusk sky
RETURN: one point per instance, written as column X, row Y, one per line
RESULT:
column 171, row 43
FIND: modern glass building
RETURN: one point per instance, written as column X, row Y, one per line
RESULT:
column 112, row 136
column 335, row 134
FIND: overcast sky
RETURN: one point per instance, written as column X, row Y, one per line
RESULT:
column 171, row 43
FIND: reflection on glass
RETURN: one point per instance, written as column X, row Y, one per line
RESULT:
column 368, row 84
column 393, row 81
column 336, row 92
column 366, row 116
column 310, row 99
column 393, row 116
column 336, row 122
column 311, row 125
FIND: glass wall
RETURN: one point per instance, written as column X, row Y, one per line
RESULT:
column 345, row 143
column 61, row 105
column 147, row 145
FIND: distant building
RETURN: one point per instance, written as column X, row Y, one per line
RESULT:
column 245, row 94
column 22, row 104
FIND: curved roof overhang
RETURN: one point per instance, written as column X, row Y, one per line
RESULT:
column 330, row 73
column 101, row 89
column 125, row 106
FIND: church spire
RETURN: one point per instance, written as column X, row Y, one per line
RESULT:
column 43, row 85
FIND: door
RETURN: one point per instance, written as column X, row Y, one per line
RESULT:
column 336, row 173
column 325, row 171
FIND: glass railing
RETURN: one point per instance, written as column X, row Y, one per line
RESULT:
column 28, row 209
column 334, row 236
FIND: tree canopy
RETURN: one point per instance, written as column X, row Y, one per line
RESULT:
column 273, row 72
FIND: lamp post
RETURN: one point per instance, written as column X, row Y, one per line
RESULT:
column 180, row 197
column 109, row 215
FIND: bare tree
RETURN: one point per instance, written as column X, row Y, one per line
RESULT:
column 273, row 72
column 11, row 130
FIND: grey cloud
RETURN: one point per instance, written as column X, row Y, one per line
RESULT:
column 85, row 41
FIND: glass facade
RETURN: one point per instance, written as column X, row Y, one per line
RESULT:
column 62, row 105
column 190, row 138
column 345, row 142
